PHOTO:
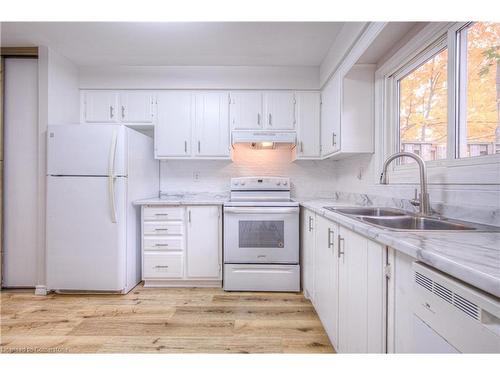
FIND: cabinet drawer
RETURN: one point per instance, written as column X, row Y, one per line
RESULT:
column 161, row 265
column 163, row 228
column 163, row 243
column 163, row 213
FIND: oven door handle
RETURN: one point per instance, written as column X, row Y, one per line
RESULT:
column 261, row 210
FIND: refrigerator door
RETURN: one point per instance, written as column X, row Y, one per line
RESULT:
column 86, row 150
column 86, row 250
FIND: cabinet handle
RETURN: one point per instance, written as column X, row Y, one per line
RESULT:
column 123, row 112
column 111, row 111
column 185, row 147
column 330, row 243
column 258, row 118
column 161, row 229
column 198, row 147
column 161, row 214
column 161, row 245
column 158, row 266
column 310, row 223
column 334, row 139
column 301, row 147
column 341, row 240
column 189, row 216
column 270, row 120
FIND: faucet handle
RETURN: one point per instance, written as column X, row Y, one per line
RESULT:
column 415, row 201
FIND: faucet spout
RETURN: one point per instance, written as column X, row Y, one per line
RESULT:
column 424, row 195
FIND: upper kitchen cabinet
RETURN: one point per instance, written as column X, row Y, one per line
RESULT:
column 100, row 106
column 174, row 122
column 257, row 110
column 246, row 110
column 279, row 110
column 211, row 125
column 308, row 125
column 330, row 115
column 137, row 107
column 128, row 107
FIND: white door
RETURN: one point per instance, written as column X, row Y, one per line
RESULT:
column 20, row 182
column 85, row 248
column 86, row 150
column 204, row 247
column 173, row 128
column 308, row 249
column 331, row 115
column 280, row 110
column 136, row 107
column 100, row 106
column 246, row 110
column 308, row 125
column 211, row 135
column 326, row 277
column 361, row 285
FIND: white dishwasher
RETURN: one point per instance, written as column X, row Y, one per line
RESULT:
column 452, row 317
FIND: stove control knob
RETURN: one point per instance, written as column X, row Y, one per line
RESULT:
column 285, row 183
column 236, row 183
column 278, row 183
column 243, row 183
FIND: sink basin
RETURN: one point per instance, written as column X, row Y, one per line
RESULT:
column 416, row 223
column 367, row 211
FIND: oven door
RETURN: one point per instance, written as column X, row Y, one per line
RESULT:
column 261, row 235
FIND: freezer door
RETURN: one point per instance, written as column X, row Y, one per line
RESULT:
column 86, row 150
column 86, row 250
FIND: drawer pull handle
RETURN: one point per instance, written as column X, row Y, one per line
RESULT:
column 161, row 214
column 161, row 229
column 161, row 245
column 158, row 266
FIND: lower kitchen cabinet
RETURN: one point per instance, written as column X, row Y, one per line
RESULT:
column 344, row 277
column 181, row 246
column 326, row 288
column 361, row 294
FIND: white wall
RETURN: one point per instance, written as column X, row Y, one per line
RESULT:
column 58, row 103
column 199, row 77
column 339, row 49
column 308, row 178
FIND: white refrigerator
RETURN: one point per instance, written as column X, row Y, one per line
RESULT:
column 94, row 173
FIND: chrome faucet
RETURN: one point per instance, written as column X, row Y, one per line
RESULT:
column 423, row 202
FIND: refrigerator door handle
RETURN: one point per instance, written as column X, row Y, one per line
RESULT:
column 111, row 176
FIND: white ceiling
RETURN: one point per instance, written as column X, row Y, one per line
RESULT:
column 179, row 43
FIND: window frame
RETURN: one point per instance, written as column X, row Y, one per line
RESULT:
column 430, row 40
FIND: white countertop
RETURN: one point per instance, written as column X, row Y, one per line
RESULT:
column 471, row 257
column 185, row 199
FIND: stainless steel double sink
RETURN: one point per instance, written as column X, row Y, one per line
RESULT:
column 399, row 220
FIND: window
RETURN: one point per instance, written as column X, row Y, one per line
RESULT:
column 423, row 101
column 479, row 89
column 445, row 99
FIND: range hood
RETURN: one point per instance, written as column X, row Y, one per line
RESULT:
column 263, row 139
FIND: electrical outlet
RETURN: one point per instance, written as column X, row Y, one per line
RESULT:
column 196, row 176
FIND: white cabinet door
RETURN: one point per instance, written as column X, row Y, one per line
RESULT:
column 136, row 107
column 246, row 110
column 326, row 277
column 308, row 125
column 280, row 110
column 204, row 242
column 173, row 127
column 330, row 115
column 361, row 286
column 211, row 134
column 100, row 106
column 308, row 248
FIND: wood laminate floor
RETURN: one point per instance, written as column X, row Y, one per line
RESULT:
column 166, row 320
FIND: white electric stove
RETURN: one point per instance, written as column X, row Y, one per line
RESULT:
column 261, row 236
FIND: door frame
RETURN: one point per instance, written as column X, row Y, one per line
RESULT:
column 6, row 52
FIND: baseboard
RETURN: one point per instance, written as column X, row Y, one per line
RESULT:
column 183, row 283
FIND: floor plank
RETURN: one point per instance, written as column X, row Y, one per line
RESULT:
column 160, row 320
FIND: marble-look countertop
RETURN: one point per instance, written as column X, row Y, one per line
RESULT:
column 185, row 199
column 471, row 257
